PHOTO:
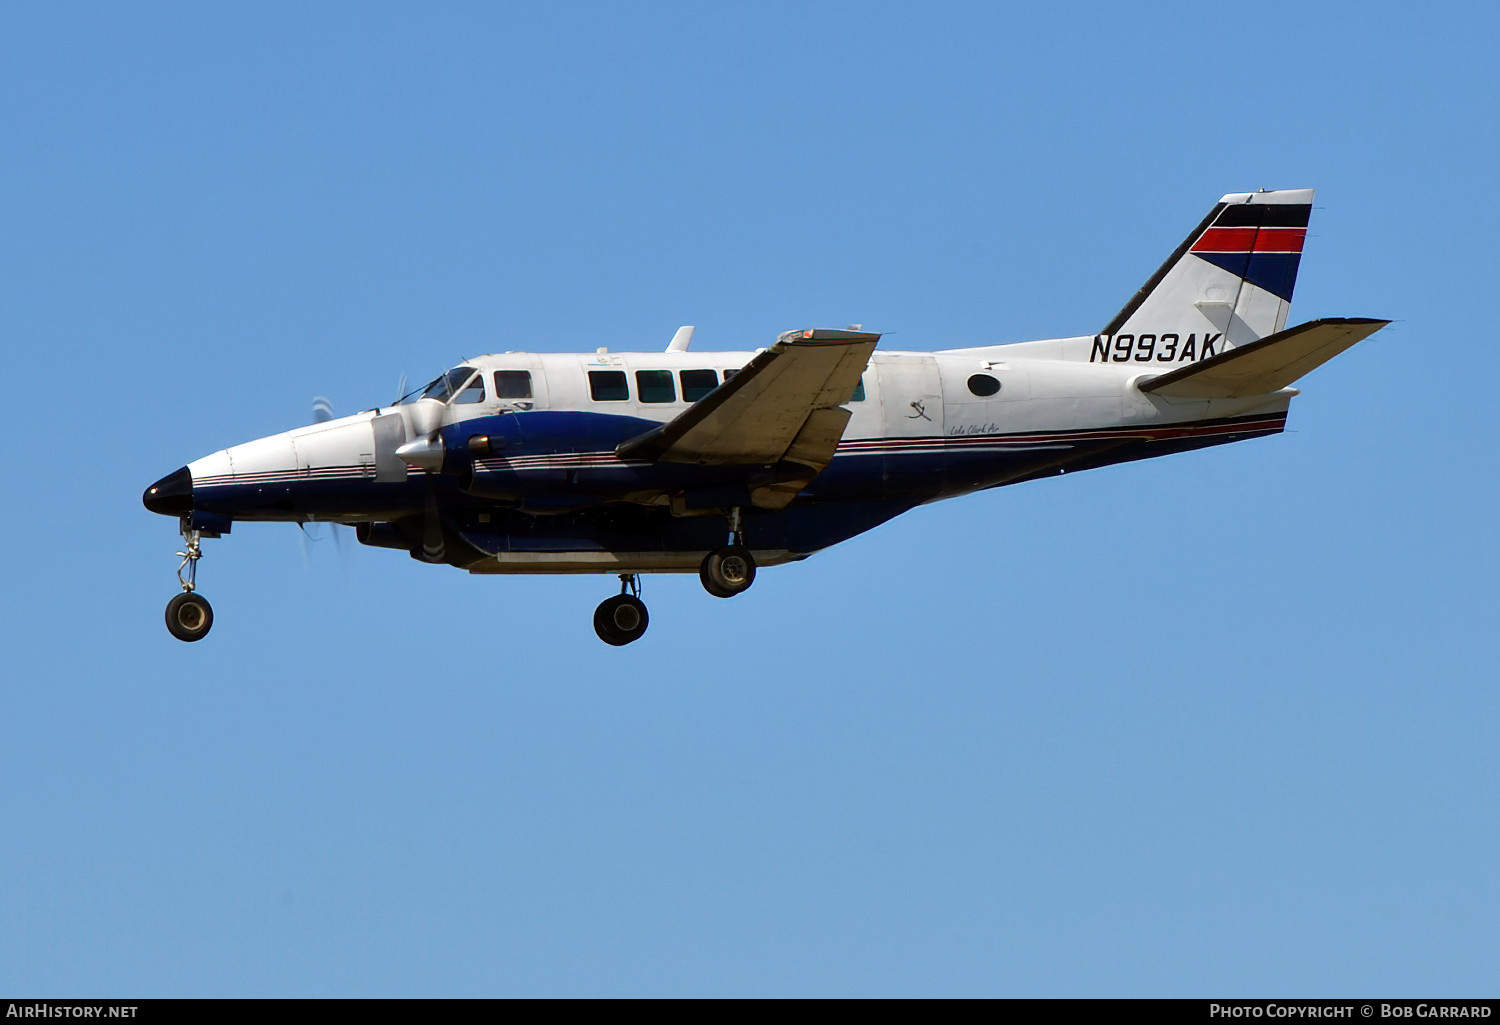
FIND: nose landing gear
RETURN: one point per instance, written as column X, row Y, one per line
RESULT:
column 189, row 615
column 623, row 618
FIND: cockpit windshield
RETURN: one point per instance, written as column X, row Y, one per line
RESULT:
column 445, row 387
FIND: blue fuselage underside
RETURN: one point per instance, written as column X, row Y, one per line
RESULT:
column 553, row 485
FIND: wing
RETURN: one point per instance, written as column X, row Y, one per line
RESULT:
column 781, row 413
column 1267, row 364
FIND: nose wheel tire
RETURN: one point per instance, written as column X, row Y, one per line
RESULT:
column 621, row 619
column 189, row 616
column 727, row 571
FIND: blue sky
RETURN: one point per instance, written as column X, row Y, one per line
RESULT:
column 1217, row 724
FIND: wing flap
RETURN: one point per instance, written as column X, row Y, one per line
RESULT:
column 806, row 457
column 1266, row 365
column 782, row 406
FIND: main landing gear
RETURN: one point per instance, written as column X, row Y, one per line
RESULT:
column 623, row 618
column 189, row 615
column 729, row 570
column 725, row 572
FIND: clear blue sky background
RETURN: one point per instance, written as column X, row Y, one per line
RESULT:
column 1222, row 723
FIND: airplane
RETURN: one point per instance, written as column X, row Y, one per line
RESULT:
column 723, row 462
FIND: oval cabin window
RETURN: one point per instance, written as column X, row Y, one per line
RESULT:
column 983, row 385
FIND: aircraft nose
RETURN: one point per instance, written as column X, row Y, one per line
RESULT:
column 172, row 495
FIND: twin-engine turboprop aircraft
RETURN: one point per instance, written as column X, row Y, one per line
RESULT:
column 670, row 462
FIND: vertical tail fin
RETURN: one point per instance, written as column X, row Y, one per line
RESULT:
column 1230, row 282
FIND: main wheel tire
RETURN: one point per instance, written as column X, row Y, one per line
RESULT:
column 621, row 619
column 189, row 616
column 713, row 588
column 727, row 571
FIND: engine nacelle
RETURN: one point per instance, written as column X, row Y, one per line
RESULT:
column 382, row 535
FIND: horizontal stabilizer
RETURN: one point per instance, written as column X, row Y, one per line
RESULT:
column 1266, row 365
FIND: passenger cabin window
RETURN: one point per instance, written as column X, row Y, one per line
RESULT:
column 698, row 383
column 513, row 384
column 471, row 392
column 859, row 392
column 655, row 386
column 609, row 386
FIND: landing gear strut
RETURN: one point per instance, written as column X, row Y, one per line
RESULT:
column 189, row 615
column 623, row 618
column 730, row 570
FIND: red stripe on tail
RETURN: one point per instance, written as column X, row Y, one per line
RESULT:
column 1250, row 240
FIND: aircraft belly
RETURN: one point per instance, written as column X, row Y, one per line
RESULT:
column 618, row 539
column 613, row 562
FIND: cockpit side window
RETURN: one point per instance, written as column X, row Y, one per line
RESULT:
column 513, row 384
column 444, row 387
column 471, row 392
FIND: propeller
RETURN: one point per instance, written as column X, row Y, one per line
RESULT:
column 322, row 411
column 423, row 454
column 310, row 533
column 432, row 525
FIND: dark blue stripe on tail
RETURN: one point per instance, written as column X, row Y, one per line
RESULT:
column 1275, row 272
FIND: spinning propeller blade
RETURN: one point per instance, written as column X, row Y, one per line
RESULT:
column 311, row 532
column 432, row 526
